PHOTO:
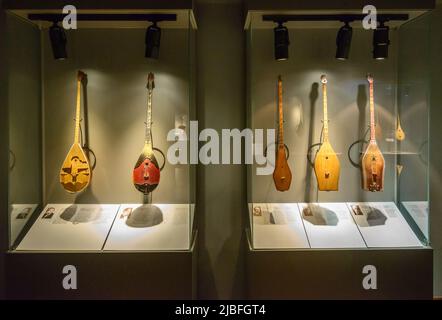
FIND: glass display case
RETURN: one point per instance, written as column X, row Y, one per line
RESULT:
column 82, row 103
column 316, row 81
column 341, row 193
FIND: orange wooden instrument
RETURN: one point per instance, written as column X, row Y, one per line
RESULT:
column 373, row 163
column 282, row 175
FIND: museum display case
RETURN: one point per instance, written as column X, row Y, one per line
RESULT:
column 349, row 182
column 81, row 104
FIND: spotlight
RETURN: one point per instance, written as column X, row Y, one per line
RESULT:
column 153, row 39
column 381, row 42
column 58, row 41
column 343, row 41
column 282, row 42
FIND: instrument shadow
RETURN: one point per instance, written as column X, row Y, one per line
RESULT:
column 313, row 97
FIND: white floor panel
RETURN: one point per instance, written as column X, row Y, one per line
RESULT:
column 330, row 225
column 151, row 227
column 277, row 225
column 70, row 227
column 382, row 225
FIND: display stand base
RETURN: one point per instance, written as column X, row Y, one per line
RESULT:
column 340, row 273
column 102, row 275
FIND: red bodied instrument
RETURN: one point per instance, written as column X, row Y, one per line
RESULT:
column 146, row 174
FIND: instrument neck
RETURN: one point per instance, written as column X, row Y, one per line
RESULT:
column 372, row 120
column 148, row 137
column 324, row 101
column 281, row 115
column 78, row 113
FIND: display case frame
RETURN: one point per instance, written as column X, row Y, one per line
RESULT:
column 334, row 268
column 135, row 272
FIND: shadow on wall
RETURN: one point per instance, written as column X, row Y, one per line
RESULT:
column 313, row 98
column 361, row 101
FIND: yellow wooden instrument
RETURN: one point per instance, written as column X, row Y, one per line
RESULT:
column 400, row 134
column 327, row 167
column 75, row 173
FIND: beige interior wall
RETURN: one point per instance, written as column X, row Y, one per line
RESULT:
column 24, row 111
column 311, row 54
column 23, row 101
column 116, row 101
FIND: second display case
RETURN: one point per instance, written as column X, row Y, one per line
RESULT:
column 320, row 79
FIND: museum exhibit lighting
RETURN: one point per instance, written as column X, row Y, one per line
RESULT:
column 343, row 41
column 381, row 42
column 153, row 40
column 58, row 39
column 281, row 42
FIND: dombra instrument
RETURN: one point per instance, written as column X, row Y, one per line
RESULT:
column 282, row 175
column 75, row 173
column 327, row 167
column 373, row 163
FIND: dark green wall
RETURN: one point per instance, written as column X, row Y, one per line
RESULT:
column 221, row 188
column 435, row 147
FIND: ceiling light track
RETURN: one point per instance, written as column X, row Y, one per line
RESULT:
column 282, row 18
column 152, row 17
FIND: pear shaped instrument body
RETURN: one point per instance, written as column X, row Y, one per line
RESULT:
column 282, row 176
column 146, row 174
column 373, row 169
column 400, row 134
column 75, row 173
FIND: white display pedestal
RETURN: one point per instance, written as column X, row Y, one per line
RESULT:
column 68, row 227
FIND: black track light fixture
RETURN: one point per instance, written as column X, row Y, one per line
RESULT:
column 343, row 41
column 381, row 42
column 153, row 39
column 58, row 39
column 282, row 41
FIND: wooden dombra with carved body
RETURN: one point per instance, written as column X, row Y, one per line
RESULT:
column 327, row 167
column 146, row 174
column 373, row 163
column 282, row 175
column 75, row 173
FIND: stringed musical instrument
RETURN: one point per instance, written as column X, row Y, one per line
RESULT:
column 146, row 174
column 400, row 134
column 373, row 163
column 75, row 173
column 282, row 175
column 327, row 167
